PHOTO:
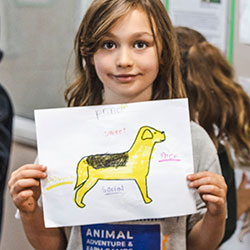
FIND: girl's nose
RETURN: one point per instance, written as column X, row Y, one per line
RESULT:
column 124, row 58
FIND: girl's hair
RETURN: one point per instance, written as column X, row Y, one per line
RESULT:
column 220, row 104
column 99, row 18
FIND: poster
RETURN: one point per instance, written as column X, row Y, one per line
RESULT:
column 244, row 31
column 112, row 163
column 209, row 17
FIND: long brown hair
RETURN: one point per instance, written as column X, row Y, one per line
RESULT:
column 222, row 105
column 99, row 18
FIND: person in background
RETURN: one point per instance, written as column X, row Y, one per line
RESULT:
column 6, row 116
column 222, row 108
column 126, row 52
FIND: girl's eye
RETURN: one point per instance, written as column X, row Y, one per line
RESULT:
column 108, row 45
column 140, row 45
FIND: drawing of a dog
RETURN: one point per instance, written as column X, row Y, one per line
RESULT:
column 132, row 164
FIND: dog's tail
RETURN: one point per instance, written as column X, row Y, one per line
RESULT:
column 81, row 172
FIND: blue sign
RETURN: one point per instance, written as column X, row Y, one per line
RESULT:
column 120, row 237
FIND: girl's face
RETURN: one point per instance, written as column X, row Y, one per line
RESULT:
column 126, row 61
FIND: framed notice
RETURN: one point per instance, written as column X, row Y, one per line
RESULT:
column 212, row 18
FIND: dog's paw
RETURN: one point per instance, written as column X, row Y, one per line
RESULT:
column 81, row 205
column 147, row 200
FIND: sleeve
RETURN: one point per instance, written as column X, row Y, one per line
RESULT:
column 205, row 159
column 6, row 116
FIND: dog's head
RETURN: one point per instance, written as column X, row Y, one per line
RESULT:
column 149, row 133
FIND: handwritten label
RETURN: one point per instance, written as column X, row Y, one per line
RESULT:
column 113, row 190
column 110, row 111
column 120, row 237
column 115, row 132
column 168, row 157
column 55, row 181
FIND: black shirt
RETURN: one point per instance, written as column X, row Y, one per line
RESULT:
column 228, row 173
column 6, row 116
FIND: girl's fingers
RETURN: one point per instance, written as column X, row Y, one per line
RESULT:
column 27, row 171
column 23, row 184
column 22, row 197
column 208, row 181
column 30, row 167
column 24, row 179
column 212, row 190
column 206, row 178
column 27, row 168
column 210, row 186
column 213, row 199
column 200, row 175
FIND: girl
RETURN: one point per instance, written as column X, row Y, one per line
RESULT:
column 216, row 100
column 208, row 76
column 126, row 52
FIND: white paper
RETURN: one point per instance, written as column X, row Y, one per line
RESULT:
column 66, row 135
column 208, row 17
column 244, row 31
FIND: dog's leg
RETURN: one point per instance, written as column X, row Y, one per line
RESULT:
column 81, row 192
column 142, row 184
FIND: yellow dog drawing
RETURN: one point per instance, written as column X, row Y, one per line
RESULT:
column 132, row 164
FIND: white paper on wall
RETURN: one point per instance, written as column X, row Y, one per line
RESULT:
column 210, row 18
column 244, row 31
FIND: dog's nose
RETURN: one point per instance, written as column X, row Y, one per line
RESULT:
column 163, row 133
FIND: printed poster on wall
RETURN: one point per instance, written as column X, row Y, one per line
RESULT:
column 112, row 163
column 244, row 31
column 209, row 17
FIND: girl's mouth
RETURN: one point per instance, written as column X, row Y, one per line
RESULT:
column 125, row 77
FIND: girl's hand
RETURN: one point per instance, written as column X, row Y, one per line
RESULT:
column 212, row 189
column 24, row 186
column 243, row 196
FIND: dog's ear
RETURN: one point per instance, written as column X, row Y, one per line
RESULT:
column 147, row 134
